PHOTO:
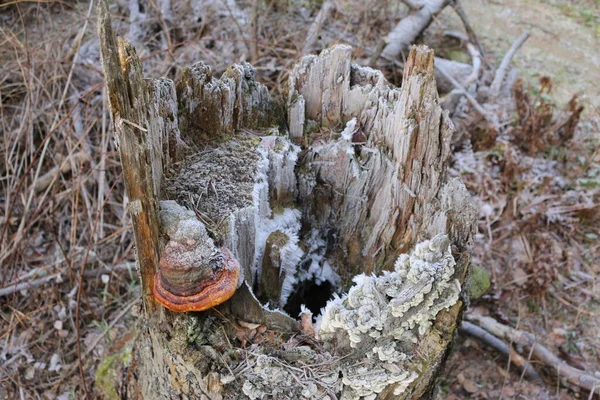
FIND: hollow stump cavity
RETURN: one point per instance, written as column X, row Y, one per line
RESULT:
column 321, row 239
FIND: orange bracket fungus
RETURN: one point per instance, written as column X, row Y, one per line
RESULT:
column 193, row 274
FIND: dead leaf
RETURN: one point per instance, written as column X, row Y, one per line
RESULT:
column 470, row 386
column 519, row 276
column 248, row 325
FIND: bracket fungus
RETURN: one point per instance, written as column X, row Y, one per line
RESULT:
column 193, row 274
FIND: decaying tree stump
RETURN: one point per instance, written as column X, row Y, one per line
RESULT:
column 345, row 206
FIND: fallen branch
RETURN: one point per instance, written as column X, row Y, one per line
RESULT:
column 410, row 27
column 253, row 26
column 501, row 71
column 44, row 278
column 414, row 5
column 65, row 166
column 8, row 290
column 478, row 107
column 487, row 338
column 473, row 52
column 465, row 21
column 313, row 33
column 573, row 375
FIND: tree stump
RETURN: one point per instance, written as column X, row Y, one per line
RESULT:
column 336, row 205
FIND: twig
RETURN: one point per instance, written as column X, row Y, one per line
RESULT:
column 64, row 167
column 568, row 304
column 487, row 338
column 465, row 21
column 313, row 33
column 573, row 375
column 236, row 22
column 414, row 5
column 57, row 120
column 253, row 44
column 473, row 52
column 501, row 71
column 120, row 315
column 411, row 26
column 111, row 325
column 478, row 107
column 377, row 53
column 17, row 287
column 28, row 285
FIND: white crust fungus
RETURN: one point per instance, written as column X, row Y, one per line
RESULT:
column 389, row 310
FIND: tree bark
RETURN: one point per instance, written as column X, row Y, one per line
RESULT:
column 350, row 193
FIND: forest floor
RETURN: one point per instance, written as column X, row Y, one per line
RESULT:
column 64, row 229
column 564, row 43
column 565, row 36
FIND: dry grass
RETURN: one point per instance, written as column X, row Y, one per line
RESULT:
column 64, row 229
column 62, row 215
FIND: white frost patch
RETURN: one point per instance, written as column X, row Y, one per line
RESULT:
column 392, row 308
column 316, row 267
column 276, row 168
column 288, row 223
column 260, row 192
column 349, row 130
column 283, row 156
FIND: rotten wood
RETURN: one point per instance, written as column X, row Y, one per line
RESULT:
column 355, row 184
column 137, row 134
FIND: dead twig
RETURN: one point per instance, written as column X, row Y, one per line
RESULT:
column 253, row 44
column 414, row 5
column 8, row 290
column 465, row 21
column 573, row 375
column 487, row 338
column 410, row 27
column 65, row 166
column 478, row 107
column 473, row 52
column 314, row 30
column 501, row 71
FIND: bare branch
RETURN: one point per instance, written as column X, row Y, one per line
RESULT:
column 414, row 5
column 478, row 107
column 406, row 31
column 487, row 338
column 501, row 71
column 573, row 375
column 313, row 33
column 465, row 20
column 473, row 52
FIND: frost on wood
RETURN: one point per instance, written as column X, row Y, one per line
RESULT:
column 228, row 186
column 359, row 180
column 391, row 312
column 377, row 182
column 392, row 305
column 375, row 327
column 211, row 107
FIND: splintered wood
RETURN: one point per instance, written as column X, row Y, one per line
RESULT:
column 383, row 179
column 350, row 190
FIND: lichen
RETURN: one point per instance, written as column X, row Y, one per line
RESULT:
column 109, row 372
column 479, row 282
